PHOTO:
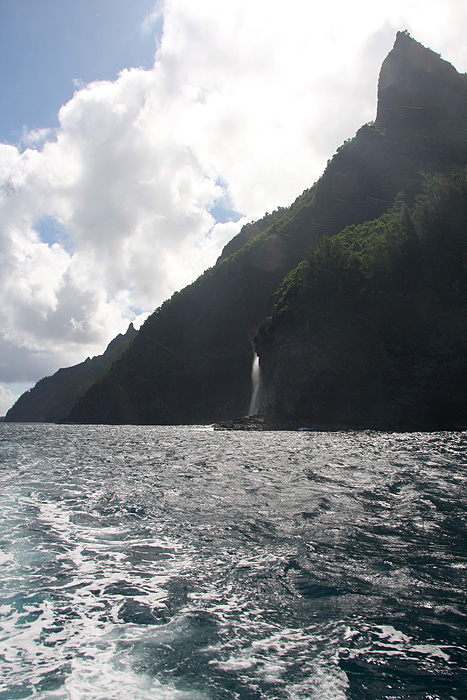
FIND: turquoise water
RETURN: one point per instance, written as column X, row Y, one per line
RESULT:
column 180, row 562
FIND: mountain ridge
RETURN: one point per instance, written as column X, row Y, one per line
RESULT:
column 52, row 398
column 191, row 360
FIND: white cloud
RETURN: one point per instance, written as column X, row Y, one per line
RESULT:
column 7, row 399
column 154, row 18
column 245, row 103
column 134, row 204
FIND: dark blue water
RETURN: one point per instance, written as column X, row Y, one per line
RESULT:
column 188, row 564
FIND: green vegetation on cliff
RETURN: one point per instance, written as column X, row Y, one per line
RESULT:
column 371, row 330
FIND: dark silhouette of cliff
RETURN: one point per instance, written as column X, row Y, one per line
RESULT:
column 370, row 331
column 192, row 358
column 338, row 249
column 52, row 398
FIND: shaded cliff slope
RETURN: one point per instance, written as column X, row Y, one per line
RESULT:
column 371, row 330
column 191, row 360
column 52, row 398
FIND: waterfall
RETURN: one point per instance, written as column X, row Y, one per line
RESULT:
column 255, row 402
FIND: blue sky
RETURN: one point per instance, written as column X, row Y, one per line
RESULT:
column 137, row 136
column 47, row 44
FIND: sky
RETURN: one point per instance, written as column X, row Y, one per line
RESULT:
column 136, row 137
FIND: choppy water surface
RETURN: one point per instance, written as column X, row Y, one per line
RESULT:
column 188, row 564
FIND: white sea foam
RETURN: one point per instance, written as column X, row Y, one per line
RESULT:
column 324, row 683
column 5, row 558
column 77, row 623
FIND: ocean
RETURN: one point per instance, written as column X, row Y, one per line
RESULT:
column 146, row 562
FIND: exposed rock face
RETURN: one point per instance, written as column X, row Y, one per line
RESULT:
column 52, row 398
column 417, row 88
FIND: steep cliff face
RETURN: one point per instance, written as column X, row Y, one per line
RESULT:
column 52, row 398
column 418, row 90
column 191, row 361
column 371, row 331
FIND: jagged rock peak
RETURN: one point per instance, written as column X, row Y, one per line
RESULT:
column 415, row 84
column 130, row 333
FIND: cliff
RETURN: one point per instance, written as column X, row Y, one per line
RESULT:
column 326, row 354
column 369, row 331
column 52, row 398
column 419, row 91
column 191, row 361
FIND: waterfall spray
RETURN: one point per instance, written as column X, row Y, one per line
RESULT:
column 255, row 402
